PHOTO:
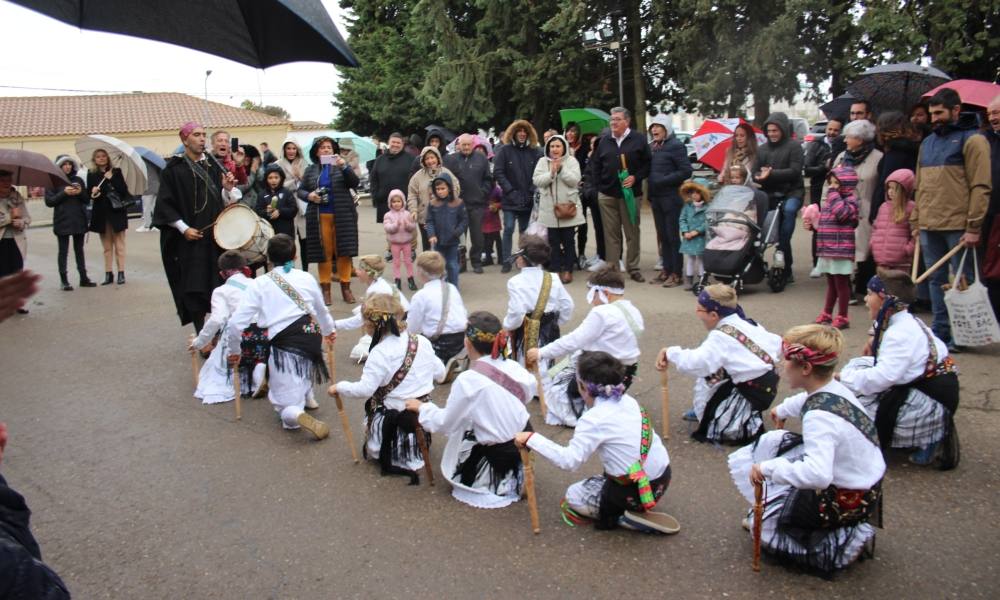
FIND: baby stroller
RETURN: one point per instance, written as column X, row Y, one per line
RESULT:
column 740, row 231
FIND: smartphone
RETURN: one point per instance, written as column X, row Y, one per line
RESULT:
column 234, row 144
column 327, row 159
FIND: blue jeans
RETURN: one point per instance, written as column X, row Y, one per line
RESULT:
column 789, row 212
column 450, row 254
column 933, row 246
column 509, row 216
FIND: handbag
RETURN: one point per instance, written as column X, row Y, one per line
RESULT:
column 564, row 210
column 969, row 311
column 115, row 199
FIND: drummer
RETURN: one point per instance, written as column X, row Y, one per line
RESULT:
column 193, row 192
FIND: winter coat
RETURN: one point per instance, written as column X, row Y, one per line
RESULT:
column 897, row 154
column 669, row 167
column 514, row 167
column 605, row 163
column 817, row 154
column 953, row 179
column 892, row 242
column 399, row 226
column 785, row 159
column 564, row 188
column 838, row 217
column 102, row 213
column 282, row 200
column 342, row 181
column 69, row 213
column 693, row 219
column 473, row 175
column 294, row 171
column 22, row 572
column 446, row 220
column 15, row 199
column 491, row 217
column 418, row 190
column 389, row 172
column 867, row 173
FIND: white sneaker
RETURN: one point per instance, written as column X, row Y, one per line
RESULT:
column 142, row 229
column 311, row 403
column 597, row 265
column 621, row 265
column 659, row 265
column 815, row 274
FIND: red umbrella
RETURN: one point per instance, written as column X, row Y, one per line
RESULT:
column 976, row 93
column 714, row 138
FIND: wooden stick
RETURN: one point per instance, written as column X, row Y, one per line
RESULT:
column 195, row 367
column 529, row 489
column 541, row 390
column 236, row 388
column 916, row 261
column 665, row 393
column 425, row 453
column 331, row 364
column 346, row 424
column 758, row 515
column 944, row 260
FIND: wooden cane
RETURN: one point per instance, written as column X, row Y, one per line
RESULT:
column 541, row 390
column 758, row 516
column 665, row 397
column 331, row 366
column 529, row 490
column 195, row 367
column 425, row 453
column 236, row 388
column 916, row 262
column 944, row 260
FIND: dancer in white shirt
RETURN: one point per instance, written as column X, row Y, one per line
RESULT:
column 437, row 312
column 613, row 325
column 907, row 382
column 215, row 383
column 822, row 487
column 485, row 410
column 734, row 366
column 401, row 365
column 369, row 272
column 287, row 303
column 636, row 464
column 537, row 302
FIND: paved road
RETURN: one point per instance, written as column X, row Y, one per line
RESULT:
column 138, row 491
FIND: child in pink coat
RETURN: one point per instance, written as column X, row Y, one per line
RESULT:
column 892, row 242
column 399, row 228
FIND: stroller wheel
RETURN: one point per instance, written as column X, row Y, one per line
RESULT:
column 777, row 279
column 700, row 284
column 738, row 285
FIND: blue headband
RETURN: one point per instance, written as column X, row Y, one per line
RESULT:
column 890, row 306
column 712, row 305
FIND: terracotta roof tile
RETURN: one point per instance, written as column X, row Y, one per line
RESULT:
column 37, row 116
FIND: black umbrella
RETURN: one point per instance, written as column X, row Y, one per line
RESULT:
column 259, row 33
column 31, row 169
column 839, row 107
column 897, row 86
column 446, row 135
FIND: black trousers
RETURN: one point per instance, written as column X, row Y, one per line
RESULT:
column 476, row 241
column 667, row 217
column 563, row 257
column 425, row 240
column 10, row 257
column 302, row 254
column 81, row 262
column 865, row 271
column 595, row 220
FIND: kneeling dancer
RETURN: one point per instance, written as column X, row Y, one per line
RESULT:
column 485, row 410
column 289, row 305
column 823, row 486
column 636, row 464
column 437, row 312
column 400, row 365
column 735, row 367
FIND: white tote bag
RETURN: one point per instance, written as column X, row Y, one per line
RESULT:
column 969, row 311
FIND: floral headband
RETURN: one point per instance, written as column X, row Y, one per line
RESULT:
column 603, row 390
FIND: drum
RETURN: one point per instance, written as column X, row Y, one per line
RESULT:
column 240, row 228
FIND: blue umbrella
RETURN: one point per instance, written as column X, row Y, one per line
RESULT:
column 154, row 164
column 152, row 157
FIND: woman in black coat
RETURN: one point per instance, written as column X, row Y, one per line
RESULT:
column 108, row 222
column 331, row 215
column 69, row 220
column 900, row 143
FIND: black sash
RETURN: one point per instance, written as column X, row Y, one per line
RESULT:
column 503, row 459
column 299, row 348
column 759, row 392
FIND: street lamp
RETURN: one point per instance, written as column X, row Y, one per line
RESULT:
column 205, row 110
column 607, row 37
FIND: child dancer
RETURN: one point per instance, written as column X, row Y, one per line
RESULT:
column 613, row 325
column 485, row 410
column 369, row 272
column 822, row 487
column 399, row 231
column 438, row 313
column 537, row 301
column 692, row 222
column 892, row 242
column 636, row 464
column 734, row 366
column 908, row 383
column 214, row 382
column 835, row 243
column 447, row 222
column 287, row 303
column 400, row 365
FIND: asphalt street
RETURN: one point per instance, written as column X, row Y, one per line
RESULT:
column 139, row 491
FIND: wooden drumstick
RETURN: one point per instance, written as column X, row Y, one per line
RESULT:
column 758, row 516
column 425, row 453
column 665, row 393
column 529, row 490
column 195, row 367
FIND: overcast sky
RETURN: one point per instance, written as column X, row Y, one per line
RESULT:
column 47, row 57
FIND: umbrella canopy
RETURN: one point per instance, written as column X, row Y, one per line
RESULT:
column 123, row 156
column 31, row 168
column 154, row 164
column 839, row 107
column 897, row 86
column 363, row 146
column 976, row 93
column 590, row 120
column 257, row 33
column 714, row 138
column 446, row 135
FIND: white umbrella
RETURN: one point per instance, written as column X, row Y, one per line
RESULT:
column 122, row 155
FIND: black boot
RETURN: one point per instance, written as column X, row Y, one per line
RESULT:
column 412, row 284
column 66, row 287
column 399, row 284
column 121, row 277
column 109, row 278
column 85, row 281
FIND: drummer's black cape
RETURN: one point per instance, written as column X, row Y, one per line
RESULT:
column 191, row 267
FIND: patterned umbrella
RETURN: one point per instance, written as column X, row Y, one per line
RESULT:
column 122, row 155
column 897, row 86
column 714, row 138
column 972, row 92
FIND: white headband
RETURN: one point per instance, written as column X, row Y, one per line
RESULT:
column 602, row 292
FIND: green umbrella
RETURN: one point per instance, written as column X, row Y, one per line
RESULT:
column 590, row 120
column 627, row 194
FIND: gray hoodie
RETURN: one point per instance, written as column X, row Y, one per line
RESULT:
column 784, row 158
